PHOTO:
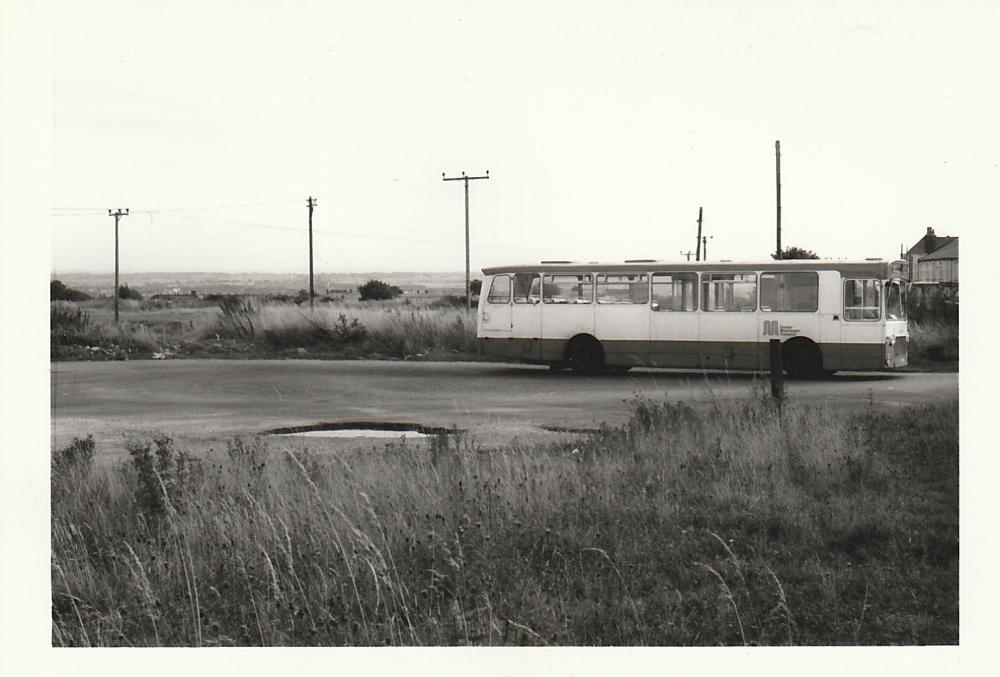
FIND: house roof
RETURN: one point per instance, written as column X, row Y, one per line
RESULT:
column 920, row 246
column 949, row 251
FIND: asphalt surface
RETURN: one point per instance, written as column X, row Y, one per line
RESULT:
column 215, row 399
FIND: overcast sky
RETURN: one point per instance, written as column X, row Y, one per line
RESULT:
column 604, row 127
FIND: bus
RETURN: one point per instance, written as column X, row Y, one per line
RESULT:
column 594, row 317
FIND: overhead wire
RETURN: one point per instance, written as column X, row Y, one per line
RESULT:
column 92, row 211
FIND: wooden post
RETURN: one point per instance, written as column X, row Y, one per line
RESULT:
column 697, row 249
column 311, row 202
column 777, row 371
column 777, row 184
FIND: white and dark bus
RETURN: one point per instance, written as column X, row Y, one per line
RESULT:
column 591, row 317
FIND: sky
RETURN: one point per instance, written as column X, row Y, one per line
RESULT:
column 604, row 127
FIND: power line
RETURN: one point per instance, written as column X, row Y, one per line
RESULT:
column 450, row 243
column 175, row 209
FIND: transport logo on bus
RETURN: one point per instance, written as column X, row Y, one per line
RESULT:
column 774, row 328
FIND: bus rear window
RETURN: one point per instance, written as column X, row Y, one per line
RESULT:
column 567, row 288
column 862, row 299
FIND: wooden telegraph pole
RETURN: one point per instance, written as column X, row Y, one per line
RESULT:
column 697, row 249
column 777, row 182
column 466, row 179
column 118, row 214
column 312, row 294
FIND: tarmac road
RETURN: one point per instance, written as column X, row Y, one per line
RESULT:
column 213, row 399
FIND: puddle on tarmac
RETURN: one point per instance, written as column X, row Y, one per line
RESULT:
column 357, row 432
column 366, row 429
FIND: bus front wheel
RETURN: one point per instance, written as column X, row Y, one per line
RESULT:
column 802, row 359
column 585, row 355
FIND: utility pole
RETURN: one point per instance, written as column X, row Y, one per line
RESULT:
column 312, row 203
column 704, row 246
column 466, row 179
column 118, row 214
column 777, row 181
column 697, row 249
column 688, row 254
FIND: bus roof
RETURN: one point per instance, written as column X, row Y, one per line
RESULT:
column 870, row 268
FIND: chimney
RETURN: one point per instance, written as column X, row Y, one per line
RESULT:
column 930, row 241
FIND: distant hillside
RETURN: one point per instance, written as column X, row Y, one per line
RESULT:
column 148, row 284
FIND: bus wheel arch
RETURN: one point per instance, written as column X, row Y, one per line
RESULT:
column 585, row 354
column 802, row 358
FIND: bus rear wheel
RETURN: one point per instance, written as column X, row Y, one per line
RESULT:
column 585, row 355
column 802, row 359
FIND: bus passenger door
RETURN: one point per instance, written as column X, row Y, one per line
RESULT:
column 494, row 309
column 728, row 321
column 673, row 320
column 621, row 318
column 526, row 317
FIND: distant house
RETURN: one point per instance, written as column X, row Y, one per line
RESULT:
column 934, row 260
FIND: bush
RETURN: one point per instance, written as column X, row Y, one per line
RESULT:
column 60, row 292
column 376, row 290
column 163, row 476
column 125, row 292
column 69, row 325
column 78, row 456
column 932, row 303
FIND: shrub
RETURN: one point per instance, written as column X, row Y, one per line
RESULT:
column 125, row 292
column 932, row 304
column 69, row 324
column 163, row 476
column 376, row 290
column 60, row 292
column 78, row 456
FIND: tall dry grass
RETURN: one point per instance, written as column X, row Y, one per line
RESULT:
column 718, row 524
column 71, row 327
column 392, row 330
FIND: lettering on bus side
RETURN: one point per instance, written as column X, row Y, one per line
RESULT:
column 775, row 328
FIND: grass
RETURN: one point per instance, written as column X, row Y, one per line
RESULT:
column 723, row 523
column 245, row 326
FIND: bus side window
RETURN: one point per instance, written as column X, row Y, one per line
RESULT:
column 527, row 288
column 729, row 292
column 862, row 299
column 499, row 290
column 565, row 288
column 623, row 288
column 675, row 291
